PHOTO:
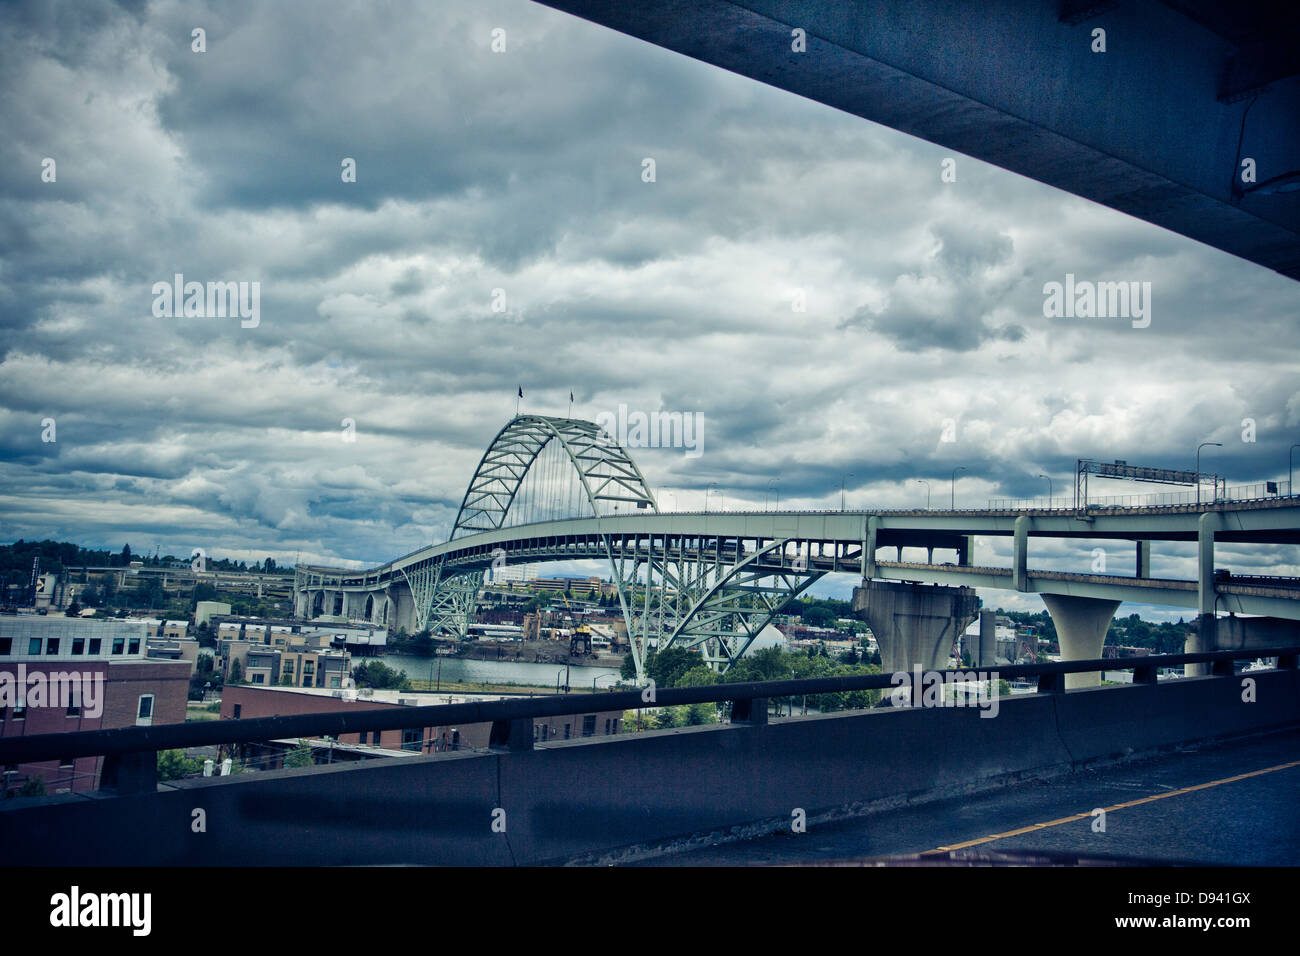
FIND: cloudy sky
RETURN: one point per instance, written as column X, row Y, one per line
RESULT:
column 522, row 171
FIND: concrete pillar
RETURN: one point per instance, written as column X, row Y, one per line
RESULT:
column 983, row 647
column 966, row 551
column 914, row 623
column 1143, row 559
column 1205, row 637
column 1081, row 625
column 1020, row 554
column 869, row 548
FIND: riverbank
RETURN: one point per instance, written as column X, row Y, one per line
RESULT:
column 478, row 687
column 529, row 652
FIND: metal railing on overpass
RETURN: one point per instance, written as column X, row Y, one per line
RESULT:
column 1235, row 494
column 131, row 752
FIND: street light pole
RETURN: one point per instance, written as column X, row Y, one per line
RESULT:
column 927, row 491
column 952, row 499
column 1216, row 444
column 770, row 483
column 843, row 479
column 1049, row 489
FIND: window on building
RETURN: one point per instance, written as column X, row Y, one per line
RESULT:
column 237, row 711
column 134, row 646
column 455, row 740
column 34, row 645
column 95, row 644
column 258, row 679
column 606, row 726
column 589, row 725
column 6, row 645
column 119, row 645
column 412, row 739
column 78, row 645
column 566, row 731
column 545, row 732
column 379, row 737
column 365, row 734
column 144, row 712
column 52, row 646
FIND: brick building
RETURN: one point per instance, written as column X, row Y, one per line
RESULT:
column 62, row 674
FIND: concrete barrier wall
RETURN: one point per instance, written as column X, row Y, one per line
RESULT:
column 587, row 797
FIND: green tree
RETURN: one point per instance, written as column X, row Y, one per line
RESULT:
column 379, row 675
column 236, row 673
column 299, row 756
column 627, row 670
column 173, row 765
column 664, row 668
column 33, row 787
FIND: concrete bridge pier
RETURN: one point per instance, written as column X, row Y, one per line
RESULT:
column 1206, row 637
column 1081, row 625
column 914, row 623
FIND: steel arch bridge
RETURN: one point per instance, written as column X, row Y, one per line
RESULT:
column 674, row 589
column 560, row 489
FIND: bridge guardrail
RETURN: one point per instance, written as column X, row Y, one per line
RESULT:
column 131, row 751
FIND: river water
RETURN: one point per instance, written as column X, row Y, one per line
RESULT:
column 503, row 672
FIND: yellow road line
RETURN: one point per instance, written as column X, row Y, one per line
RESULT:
column 1119, row 806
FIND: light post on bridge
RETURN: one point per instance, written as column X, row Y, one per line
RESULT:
column 1290, row 471
column 771, row 483
column 1049, row 489
column 600, row 677
column 1216, row 444
column 843, row 479
column 952, row 498
column 927, row 491
column 712, row 485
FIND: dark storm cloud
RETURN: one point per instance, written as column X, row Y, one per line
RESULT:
column 802, row 280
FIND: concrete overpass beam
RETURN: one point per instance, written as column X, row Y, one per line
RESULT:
column 1246, row 633
column 1081, row 625
column 914, row 623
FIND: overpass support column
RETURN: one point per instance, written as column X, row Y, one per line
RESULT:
column 1020, row 554
column 1143, row 559
column 869, row 548
column 914, row 623
column 966, row 552
column 1081, row 625
column 1205, row 638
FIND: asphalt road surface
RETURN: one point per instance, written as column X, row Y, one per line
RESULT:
column 1232, row 804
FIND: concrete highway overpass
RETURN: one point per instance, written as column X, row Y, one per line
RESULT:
column 1157, row 126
